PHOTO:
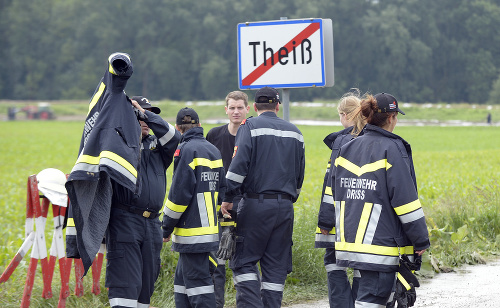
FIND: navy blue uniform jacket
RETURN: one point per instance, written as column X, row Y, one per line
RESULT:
column 378, row 213
column 259, row 166
column 109, row 150
column 190, row 212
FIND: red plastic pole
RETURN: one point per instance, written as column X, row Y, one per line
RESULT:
column 30, row 210
column 47, row 269
column 96, row 271
column 79, row 277
column 28, row 242
column 28, row 287
column 65, row 270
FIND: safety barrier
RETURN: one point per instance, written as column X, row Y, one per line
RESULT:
column 36, row 216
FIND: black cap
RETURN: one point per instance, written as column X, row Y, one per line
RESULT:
column 144, row 103
column 387, row 103
column 267, row 95
column 187, row 112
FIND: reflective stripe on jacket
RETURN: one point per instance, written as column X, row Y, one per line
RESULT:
column 258, row 164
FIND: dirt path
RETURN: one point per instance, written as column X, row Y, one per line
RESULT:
column 468, row 287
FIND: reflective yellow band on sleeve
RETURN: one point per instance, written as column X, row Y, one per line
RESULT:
column 407, row 208
column 176, row 207
column 70, row 222
column 212, row 164
column 94, row 160
column 328, row 191
column 318, row 231
column 96, row 97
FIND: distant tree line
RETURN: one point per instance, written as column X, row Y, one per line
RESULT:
column 419, row 50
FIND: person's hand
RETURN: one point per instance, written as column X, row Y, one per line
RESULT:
column 165, row 240
column 324, row 232
column 136, row 105
column 139, row 111
column 420, row 252
column 225, row 207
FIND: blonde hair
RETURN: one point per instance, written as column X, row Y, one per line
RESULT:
column 237, row 95
column 349, row 104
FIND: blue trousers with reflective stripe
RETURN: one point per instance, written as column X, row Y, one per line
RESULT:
column 375, row 288
column 263, row 234
column 339, row 288
column 193, row 284
column 133, row 246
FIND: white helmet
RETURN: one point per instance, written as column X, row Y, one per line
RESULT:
column 51, row 179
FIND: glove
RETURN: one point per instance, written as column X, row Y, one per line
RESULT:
column 406, row 269
column 405, row 297
column 227, row 244
column 405, row 293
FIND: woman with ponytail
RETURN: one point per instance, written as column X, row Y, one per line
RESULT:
column 339, row 289
column 378, row 214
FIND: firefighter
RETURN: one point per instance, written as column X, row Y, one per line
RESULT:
column 339, row 289
column 190, row 216
column 133, row 237
column 378, row 214
column 268, row 166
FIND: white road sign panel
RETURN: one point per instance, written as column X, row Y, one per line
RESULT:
column 285, row 54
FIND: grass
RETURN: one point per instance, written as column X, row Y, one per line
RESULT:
column 458, row 172
column 320, row 110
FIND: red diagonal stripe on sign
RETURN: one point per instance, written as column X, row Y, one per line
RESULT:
column 259, row 71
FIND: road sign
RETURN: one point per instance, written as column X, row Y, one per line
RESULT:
column 293, row 53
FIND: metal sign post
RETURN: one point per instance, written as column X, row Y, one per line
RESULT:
column 286, row 96
column 286, row 104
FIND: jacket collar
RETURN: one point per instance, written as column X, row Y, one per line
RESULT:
column 195, row 132
column 331, row 138
column 374, row 130
column 269, row 113
column 369, row 128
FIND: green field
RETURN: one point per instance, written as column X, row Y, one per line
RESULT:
column 317, row 110
column 458, row 174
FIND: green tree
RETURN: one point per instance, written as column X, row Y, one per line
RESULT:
column 494, row 95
